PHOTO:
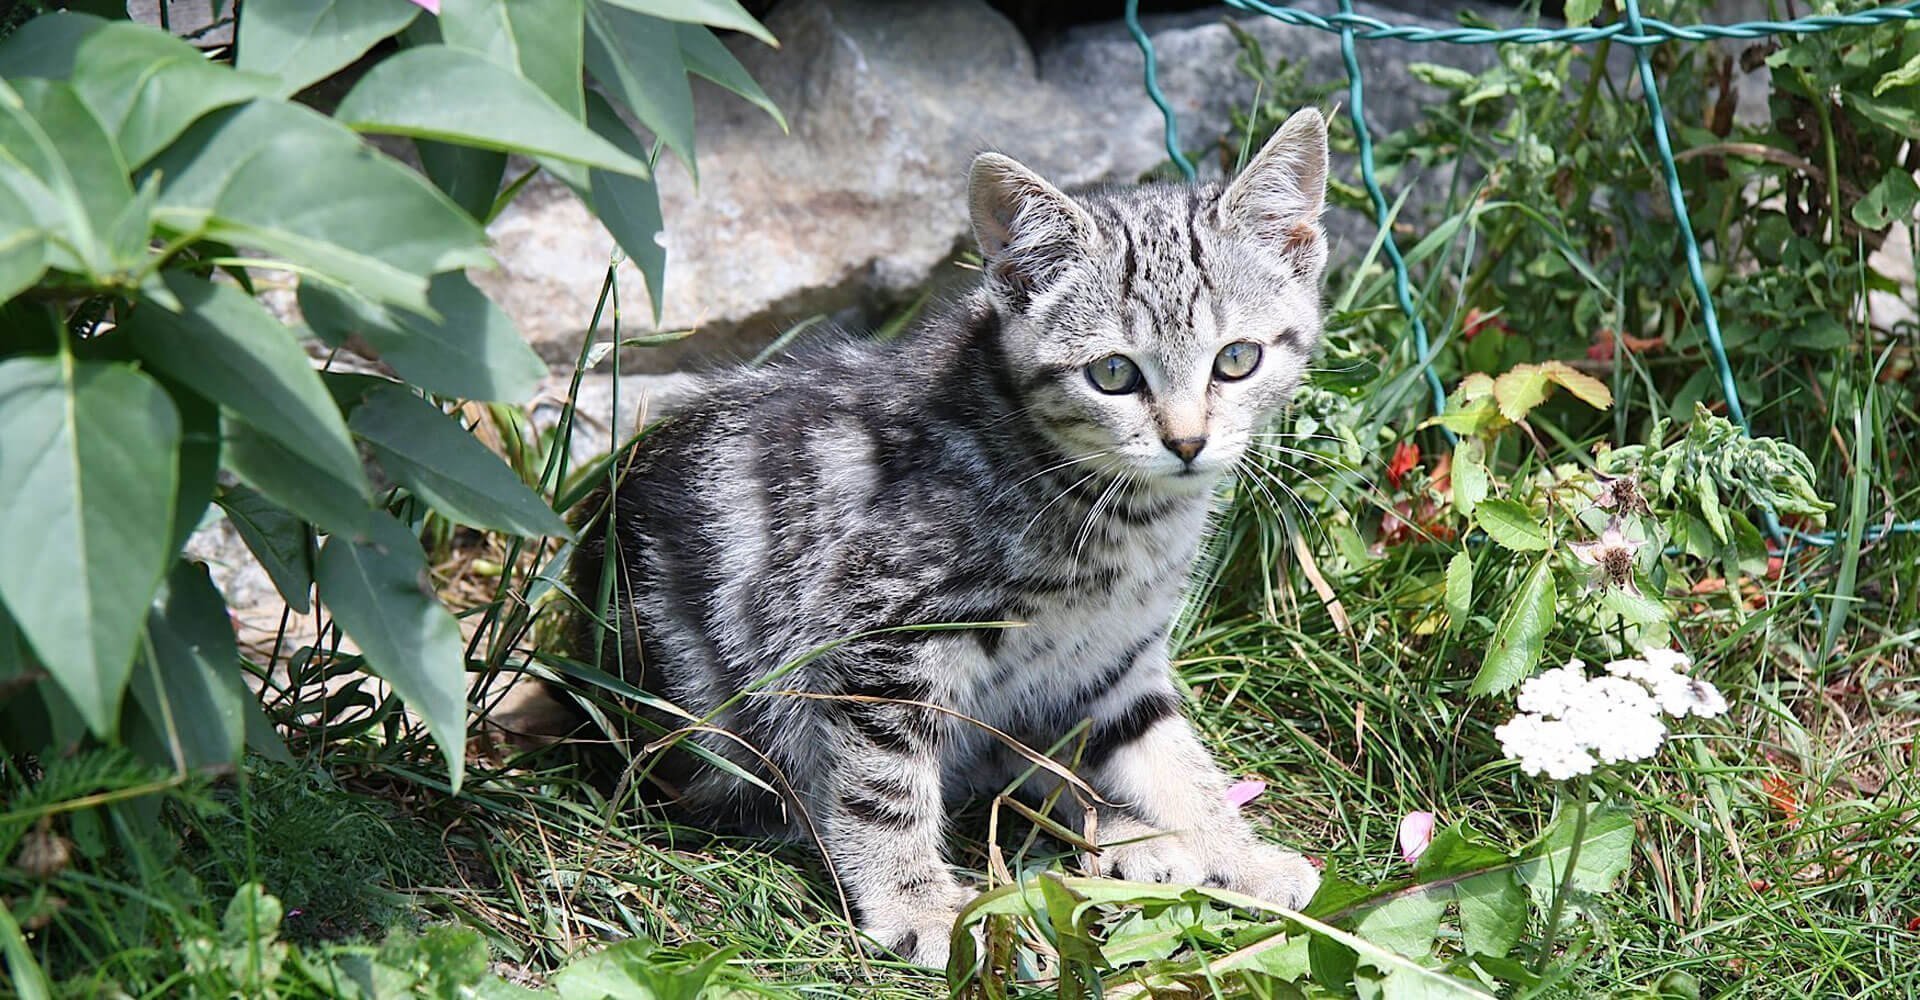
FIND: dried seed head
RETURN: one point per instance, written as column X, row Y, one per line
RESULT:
column 43, row 853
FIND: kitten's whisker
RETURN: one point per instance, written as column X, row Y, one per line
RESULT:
column 1093, row 513
column 1088, row 457
column 1063, row 495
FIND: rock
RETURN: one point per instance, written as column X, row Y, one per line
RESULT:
column 862, row 204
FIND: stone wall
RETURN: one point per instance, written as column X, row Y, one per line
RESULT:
column 861, row 204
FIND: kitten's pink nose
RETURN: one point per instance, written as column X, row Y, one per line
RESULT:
column 1187, row 448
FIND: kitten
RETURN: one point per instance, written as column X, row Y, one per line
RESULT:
column 1048, row 454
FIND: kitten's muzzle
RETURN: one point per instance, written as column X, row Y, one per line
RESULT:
column 1187, row 448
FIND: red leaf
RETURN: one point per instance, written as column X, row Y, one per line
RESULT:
column 1783, row 797
column 1406, row 457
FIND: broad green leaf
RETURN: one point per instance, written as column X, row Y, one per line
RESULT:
column 1521, row 635
column 1493, row 912
column 444, row 93
column 316, row 494
column 637, row 59
column 1518, row 391
column 469, row 176
column 23, row 243
column 1408, row 923
column 1586, row 388
column 629, row 206
column 91, row 159
column 1606, row 848
column 1580, row 13
column 726, row 14
column 541, row 40
column 1470, row 478
column 429, row 453
column 280, row 541
column 145, row 85
column 472, row 351
column 298, row 42
column 1511, row 524
column 33, row 167
column 1459, row 588
column 380, row 593
column 87, row 466
column 228, row 348
column 199, row 465
column 706, row 56
column 381, row 230
column 189, row 687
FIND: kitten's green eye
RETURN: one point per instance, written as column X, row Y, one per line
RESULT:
column 1114, row 375
column 1236, row 360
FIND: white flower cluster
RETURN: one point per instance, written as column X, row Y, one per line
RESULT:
column 1569, row 722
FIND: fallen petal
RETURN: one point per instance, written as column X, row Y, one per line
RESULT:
column 1243, row 792
column 1416, row 833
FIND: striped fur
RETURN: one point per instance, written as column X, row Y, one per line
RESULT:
column 972, row 474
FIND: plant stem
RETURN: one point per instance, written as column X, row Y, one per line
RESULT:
column 1565, row 888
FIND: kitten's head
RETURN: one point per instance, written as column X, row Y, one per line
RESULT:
column 1160, row 326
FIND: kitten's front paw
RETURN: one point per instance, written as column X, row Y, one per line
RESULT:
column 1159, row 857
column 1277, row 876
column 919, row 929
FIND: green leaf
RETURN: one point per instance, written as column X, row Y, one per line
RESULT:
column 472, row 351
column 22, row 968
column 1511, row 524
column 706, row 56
column 637, row 59
column 23, row 243
column 1407, row 924
column 228, row 348
column 1892, row 200
column 1519, row 390
column 541, row 40
column 380, row 593
column 429, row 453
column 469, row 176
column 87, row 466
column 298, row 42
column 1580, row 13
column 444, row 93
column 1606, row 848
column 726, row 14
column 280, row 541
column 1459, row 588
column 145, row 85
column 1906, row 76
column 289, row 480
column 628, row 206
column 189, row 687
column 1471, row 480
column 199, row 465
column 32, row 168
column 1493, row 913
column 1521, row 635
column 98, row 173
column 381, row 230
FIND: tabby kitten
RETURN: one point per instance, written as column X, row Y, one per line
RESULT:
column 1047, row 454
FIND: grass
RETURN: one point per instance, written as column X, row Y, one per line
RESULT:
column 1776, row 851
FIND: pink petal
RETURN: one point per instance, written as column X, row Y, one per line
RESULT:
column 1244, row 792
column 431, row 6
column 1416, row 832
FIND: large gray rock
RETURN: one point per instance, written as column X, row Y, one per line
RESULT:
column 862, row 204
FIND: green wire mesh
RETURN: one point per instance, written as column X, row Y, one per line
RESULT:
column 1633, row 30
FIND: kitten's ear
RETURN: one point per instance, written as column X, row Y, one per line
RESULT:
column 1027, row 228
column 1278, row 198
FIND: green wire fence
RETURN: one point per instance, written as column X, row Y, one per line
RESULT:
column 1633, row 29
